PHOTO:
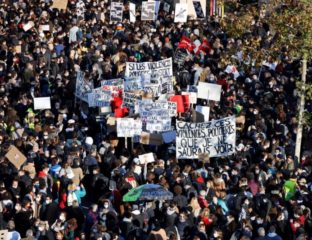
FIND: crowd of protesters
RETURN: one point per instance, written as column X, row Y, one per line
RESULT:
column 73, row 180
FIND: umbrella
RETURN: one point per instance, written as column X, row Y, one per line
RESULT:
column 147, row 192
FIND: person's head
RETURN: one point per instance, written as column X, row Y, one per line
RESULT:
column 48, row 199
column 272, row 229
column 62, row 216
column 261, row 232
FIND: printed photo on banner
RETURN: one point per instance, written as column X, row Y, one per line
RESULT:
column 216, row 138
column 148, row 11
column 180, row 13
column 205, row 110
column 116, row 11
column 209, row 91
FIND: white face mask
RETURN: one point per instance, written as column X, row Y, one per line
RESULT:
column 41, row 228
column 106, row 205
column 62, row 218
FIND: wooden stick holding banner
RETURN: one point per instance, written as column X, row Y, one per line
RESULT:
column 126, row 142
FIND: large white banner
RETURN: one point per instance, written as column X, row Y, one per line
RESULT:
column 155, row 70
column 216, row 138
column 128, row 127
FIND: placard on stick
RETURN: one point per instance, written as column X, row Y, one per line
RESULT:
column 42, row 103
column 146, row 158
column 60, row 4
column 15, row 157
column 209, row 91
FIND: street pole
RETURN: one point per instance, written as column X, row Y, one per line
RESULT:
column 301, row 109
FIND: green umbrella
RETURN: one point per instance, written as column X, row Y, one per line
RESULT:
column 147, row 192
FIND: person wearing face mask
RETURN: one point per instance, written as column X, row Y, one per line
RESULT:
column 181, row 224
column 108, row 216
column 49, row 211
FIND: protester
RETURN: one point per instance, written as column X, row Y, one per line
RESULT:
column 77, row 171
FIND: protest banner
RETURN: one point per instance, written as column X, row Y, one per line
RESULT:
column 133, row 84
column 99, row 98
column 132, row 13
column 198, row 9
column 116, row 10
column 83, row 87
column 128, row 127
column 147, row 158
column 216, row 138
column 180, row 12
column 148, row 12
column 130, row 100
column 191, row 9
column 60, row 4
column 209, row 91
column 15, row 157
column 41, row 103
column 162, row 68
column 115, row 86
column 204, row 110
column 155, row 115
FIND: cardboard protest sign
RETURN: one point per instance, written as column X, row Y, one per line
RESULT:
column 209, row 91
column 151, row 139
column 148, row 11
column 216, row 138
column 204, row 110
column 146, row 158
column 198, row 9
column 180, row 13
column 18, row 48
column 15, row 157
column 60, row 4
column 116, row 10
column 128, row 127
column 132, row 13
column 42, row 103
column 28, row 26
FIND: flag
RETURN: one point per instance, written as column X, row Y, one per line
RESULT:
column 185, row 43
column 204, row 47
